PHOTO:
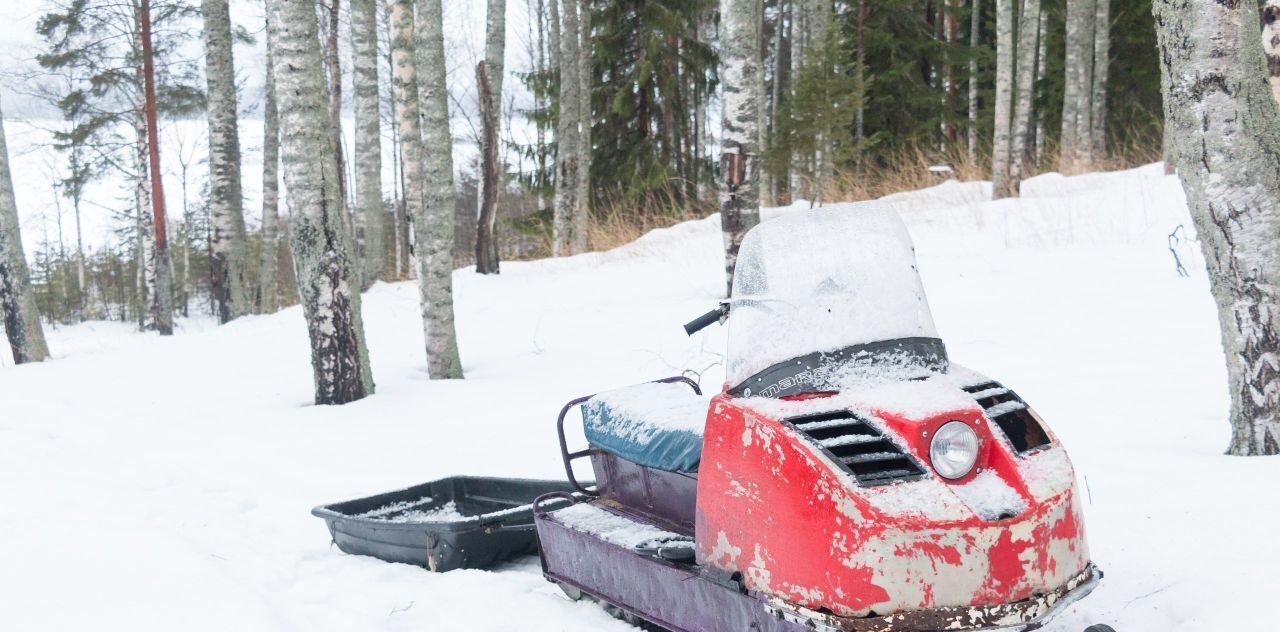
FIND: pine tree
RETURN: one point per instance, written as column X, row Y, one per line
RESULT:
column 230, row 288
column 434, row 225
column 161, row 304
column 1226, row 125
column 21, row 320
column 327, row 273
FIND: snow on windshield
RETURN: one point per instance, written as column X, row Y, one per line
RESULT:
column 820, row 281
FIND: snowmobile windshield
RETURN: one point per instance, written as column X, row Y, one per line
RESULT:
column 819, row 295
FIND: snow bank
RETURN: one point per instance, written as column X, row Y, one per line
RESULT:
column 160, row 484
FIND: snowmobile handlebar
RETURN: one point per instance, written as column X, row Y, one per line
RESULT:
column 706, row 320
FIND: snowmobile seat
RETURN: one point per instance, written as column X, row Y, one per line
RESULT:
column 657, row 425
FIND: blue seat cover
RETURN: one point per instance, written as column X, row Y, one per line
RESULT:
column 656, row 425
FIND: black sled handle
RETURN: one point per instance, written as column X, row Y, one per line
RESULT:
column 706, row 320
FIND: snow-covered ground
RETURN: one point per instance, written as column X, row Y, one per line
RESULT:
column 164, row 484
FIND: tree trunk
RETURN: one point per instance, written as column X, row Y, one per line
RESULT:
column 162, row 302
column 1026, row 73
column 1271, row 43
column 333, row 67
column 367, row 151
column 1001, row 157
column 582, row 193
column 490, row 97
column 404, row 84
column 975, row 30
column 230, row 291
column 433, row 226
column 327, row 276
column 1071, row 88
column 17, row 302
column 1101, row 63
column 1041, row 50
column 1227, row 132
column 860, row 85
column 565, row 239
column 269, row 261
column 741, row 78
column 486, row 243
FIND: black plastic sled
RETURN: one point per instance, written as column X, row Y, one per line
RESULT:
column 456, row 522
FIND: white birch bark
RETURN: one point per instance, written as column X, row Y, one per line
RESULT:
column 404, row 86
column 582, row 193
column 268, row 287
column 433, row 226
column 1226, row 125
column 230, row 289
column 742, row 81
column 1041, row 53
column 147, row 271
column 1271, row 43
column 18, row 314
column 491, row 177
column 327, row 275
column 1001, row 150
column 367, row 150
column 1084, row 109
column 565, row 239
column 1071, row 87
column 1101, row 68
column 975, row 30
column 1029, row 26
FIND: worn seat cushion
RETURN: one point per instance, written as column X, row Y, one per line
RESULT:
column 656, row 425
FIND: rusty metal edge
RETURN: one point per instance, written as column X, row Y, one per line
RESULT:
column 1026, row 615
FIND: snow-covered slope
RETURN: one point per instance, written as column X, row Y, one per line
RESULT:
column 159, row 484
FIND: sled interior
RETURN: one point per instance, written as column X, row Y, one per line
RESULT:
column 455, row 522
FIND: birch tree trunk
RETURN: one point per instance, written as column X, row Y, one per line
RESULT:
column 1271, row 43
column 1026, row 73
column 404, row 86
column 487, row 218
column 161, row 305
column 741, row 77
column 1071, row 88
column 1041, row 53
column 367, row 152
column 582, row 192
column 490, row 96
column 230, row 291
column 17, row 302
column 434, row 224
column 1083, row 159
column 1226, row 126
column 327, row 277
column 268, row 287
column 334, row 68
column 1101, row 67
column 975, row 30
column 145, row 226
column 1001, row 158
column 565, row 239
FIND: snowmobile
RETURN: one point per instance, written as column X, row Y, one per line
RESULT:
column 849, row 476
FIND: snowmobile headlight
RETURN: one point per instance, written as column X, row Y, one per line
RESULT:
column 953, row 449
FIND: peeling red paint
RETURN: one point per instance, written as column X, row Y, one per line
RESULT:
column 827, row 546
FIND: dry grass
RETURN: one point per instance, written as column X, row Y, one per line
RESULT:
column 616, row 222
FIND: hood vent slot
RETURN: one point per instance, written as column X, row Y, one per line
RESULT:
column 858, row 447
column 1011, row 413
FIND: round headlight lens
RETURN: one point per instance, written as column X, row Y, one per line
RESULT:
column 953, row 449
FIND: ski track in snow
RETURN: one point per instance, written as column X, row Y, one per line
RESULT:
column 158, row 484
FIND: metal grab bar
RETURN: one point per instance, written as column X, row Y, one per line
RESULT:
column 569, row 457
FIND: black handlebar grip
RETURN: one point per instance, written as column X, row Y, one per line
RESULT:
column 703, row 321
